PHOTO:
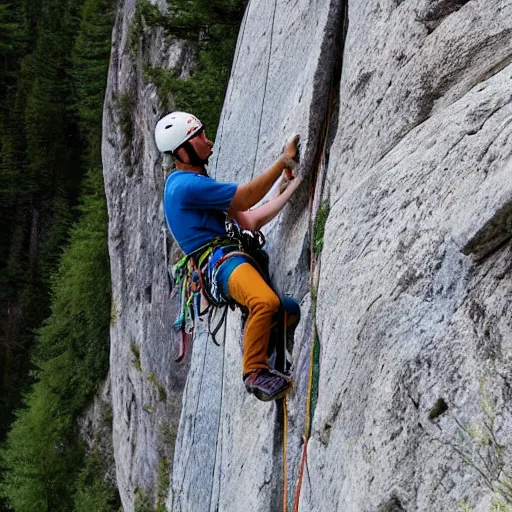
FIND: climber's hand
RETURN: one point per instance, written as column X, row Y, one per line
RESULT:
column 289, row 184
column 290, row 150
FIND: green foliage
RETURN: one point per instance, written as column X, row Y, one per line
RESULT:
column 499, row 505
column 36, row 192
column 205, row 21
column 213, row 27
column 202, row 93
column 108, row 415
column 43, row 454
column 465, row 505
column 79, row 323
column 59, row 84
column 94, row 492
column 320, row 220
column 315, row 361
column 90, row 57
column 39, row 454
column 38, row 172
column 136, row 354
column 162, row 395
column 114, row 313
column 480, row 449
column 126, row 103
column 163, row 482
column 169, row 434
column 211, row 20
column 146, row 14
column 12, row 48
column 143, row 502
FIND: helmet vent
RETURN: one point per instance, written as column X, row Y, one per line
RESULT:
column 168, row 126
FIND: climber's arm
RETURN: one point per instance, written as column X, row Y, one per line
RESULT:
column 249, row 194
column 255, row 219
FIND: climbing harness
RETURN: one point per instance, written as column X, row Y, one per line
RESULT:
column 189, row 275
column 248, row 240
column 195, row 279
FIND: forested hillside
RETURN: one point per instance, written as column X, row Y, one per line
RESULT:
column 55, row 56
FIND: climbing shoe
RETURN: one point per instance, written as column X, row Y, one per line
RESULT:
column 267, row 384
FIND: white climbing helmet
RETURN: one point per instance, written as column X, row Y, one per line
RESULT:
column 174, row 129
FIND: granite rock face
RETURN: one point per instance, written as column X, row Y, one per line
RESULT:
column 146, row 383
column 96, row 430
column 415, row 283
column 405, row 114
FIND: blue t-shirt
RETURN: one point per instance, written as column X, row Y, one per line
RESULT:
column 194, row 206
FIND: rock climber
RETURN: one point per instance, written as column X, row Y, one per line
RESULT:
column 195, row 206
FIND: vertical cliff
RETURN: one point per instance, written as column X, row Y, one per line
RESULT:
column 146, row 384
column 405, row 115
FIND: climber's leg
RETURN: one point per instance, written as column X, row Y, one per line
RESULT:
column 248, row 288
column 285, row 321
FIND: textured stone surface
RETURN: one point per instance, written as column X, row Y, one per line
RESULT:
column 411, row 147
column 146, row 383
column 420, row 171
column 96, row 430
column 280, row 85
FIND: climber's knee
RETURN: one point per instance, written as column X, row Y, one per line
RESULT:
column 264, row 304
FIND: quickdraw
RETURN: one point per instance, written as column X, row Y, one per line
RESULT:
column 194, row 281
column 188, row 276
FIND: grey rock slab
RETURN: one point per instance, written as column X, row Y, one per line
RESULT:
column 489, row 223
column 195, row 450
column 278, row 89
column 397, row 71
column 414, row 291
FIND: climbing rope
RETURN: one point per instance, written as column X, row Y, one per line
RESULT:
column 307, row 426
column 285, row 436
column 285, row 424
column 220, row 131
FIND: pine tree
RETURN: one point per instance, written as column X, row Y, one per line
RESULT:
column 12, row 48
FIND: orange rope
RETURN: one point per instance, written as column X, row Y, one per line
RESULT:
column 301, row 473
column 285, row 426
column 285, row 435
column 307, row 427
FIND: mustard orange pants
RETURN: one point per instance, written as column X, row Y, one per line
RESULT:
column 249, row 289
